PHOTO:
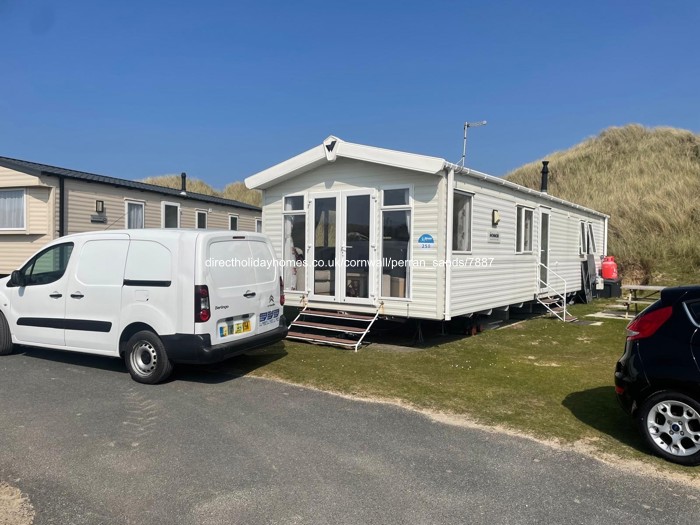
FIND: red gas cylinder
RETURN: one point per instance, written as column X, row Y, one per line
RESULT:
column 609, row 268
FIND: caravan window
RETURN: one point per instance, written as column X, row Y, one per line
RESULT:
column 294, row 242
column 396, row 243
column 587, row 239
column 202, row 220
column 134, row 215
column 591, row 239
column 524, row 227
column 12, row 210
column 462, row 222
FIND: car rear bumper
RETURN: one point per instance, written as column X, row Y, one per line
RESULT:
column 197, row 349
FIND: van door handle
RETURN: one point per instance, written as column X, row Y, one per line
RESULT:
column 249, row 294
column 77, row 295
column 56, row 295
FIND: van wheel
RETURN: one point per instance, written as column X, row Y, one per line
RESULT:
column 5, row 336
column 146, row 358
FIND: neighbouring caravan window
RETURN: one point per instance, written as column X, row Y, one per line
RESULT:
column 396, row 243
column 134, row 215
column 201, row 220
column 462, row 222
column 294, row 242
column 258, row 225
column 523, row 233
column 233, row 222
column 171, row 215
column 583, row 245
column 12, row 210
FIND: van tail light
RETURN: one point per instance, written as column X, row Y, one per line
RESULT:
column 281, row 291
column 647, row 324
column 202, row 313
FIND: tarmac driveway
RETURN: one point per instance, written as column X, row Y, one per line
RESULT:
column 89, row 446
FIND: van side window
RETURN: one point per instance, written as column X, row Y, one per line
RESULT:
column 101, row 262
column 694, row 310
column 148, row 263
column 47, row 266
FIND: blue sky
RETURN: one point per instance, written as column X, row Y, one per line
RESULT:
column 224, row 89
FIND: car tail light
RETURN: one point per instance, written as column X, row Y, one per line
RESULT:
column 202, row 313
column 647, row 324
column 281, row 291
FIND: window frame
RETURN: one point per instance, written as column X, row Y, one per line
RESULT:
column 520, row 210
column 24, row 209
column 163, row 204
column 126, row 213
column 233, row 216
column 470, row 235
column 285, row 214
column 197, row 213
column 258, row 221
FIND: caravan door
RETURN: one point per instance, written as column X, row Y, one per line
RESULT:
column 343, row 247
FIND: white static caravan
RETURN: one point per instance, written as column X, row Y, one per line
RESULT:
column 382, row 232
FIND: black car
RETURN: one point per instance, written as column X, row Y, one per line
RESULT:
column 657, row 379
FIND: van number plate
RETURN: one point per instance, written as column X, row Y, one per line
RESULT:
column 233, row 328
column 270, row 317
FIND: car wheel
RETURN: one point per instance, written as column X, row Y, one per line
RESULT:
column 670, row 424
column 5, row 336
column 146, row 358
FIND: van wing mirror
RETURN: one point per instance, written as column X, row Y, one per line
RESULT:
column 17, row 279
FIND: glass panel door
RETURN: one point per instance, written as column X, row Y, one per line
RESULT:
column 324, row 247
column 357, row 247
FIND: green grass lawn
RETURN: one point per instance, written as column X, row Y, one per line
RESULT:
column 541, row 377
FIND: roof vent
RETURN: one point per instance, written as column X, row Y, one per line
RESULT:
column 330, row 148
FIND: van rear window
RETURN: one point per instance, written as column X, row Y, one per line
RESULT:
column 230, row 264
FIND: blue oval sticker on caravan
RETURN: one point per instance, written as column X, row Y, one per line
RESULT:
column 426, row 241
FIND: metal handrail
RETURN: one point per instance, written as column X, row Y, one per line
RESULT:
column 549, row 286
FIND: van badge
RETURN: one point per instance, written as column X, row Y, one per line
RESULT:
column 271, row 302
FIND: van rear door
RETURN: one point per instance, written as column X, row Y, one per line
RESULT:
column 233, row 294
column 268, row 285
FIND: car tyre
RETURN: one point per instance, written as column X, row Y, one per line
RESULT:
column 5, row 336
column 146, row 358
column 670, row 424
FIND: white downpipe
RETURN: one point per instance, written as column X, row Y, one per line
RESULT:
column 448, row 243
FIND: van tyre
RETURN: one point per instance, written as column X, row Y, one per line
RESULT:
column 146, row 358
column 5, row 336
column 670, row 424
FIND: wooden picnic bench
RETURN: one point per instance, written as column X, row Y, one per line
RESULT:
column 637, row 294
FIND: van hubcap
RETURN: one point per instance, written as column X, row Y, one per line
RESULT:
column 675, row 427
column 143, row 358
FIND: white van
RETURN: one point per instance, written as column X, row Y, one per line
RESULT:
column 153, row 297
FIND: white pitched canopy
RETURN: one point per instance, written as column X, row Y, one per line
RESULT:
column 331, row 149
